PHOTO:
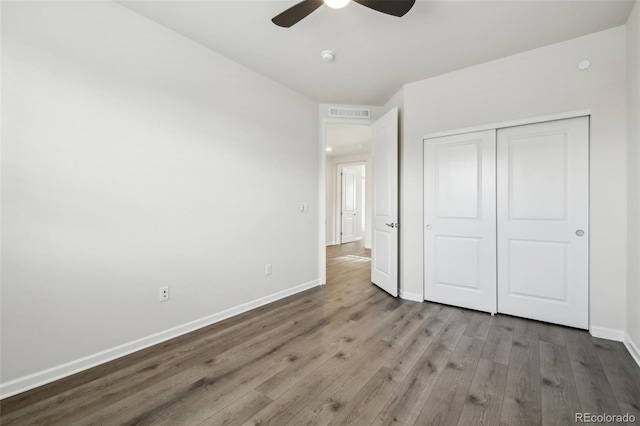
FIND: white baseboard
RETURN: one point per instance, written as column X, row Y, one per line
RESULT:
column 40, row 378
column 416, row 297
column 618, row 336
column 607, row 333
column 632, row 348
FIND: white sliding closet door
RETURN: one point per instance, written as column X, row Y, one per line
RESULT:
column 460, row 220
column 543, row 221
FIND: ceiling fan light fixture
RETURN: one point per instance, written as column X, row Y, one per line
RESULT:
column 304, row 8
column 336, row 4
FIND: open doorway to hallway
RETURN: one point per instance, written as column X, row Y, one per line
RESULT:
column 348, row 201
column 348, row 185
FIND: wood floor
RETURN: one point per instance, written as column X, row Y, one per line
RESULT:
column 347, row 353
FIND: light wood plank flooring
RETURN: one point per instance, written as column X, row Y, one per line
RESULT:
column 348, row 353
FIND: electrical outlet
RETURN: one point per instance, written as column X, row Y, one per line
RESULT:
column 267, row 269
column 164, row 294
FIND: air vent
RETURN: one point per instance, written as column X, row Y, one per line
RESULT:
column 349, row 112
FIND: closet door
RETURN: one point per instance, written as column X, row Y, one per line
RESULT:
column 460, row 220
column 543, row 222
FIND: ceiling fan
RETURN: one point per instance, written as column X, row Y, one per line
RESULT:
column 297, row 13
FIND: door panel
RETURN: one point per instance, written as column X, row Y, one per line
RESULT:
column 384, row 242
column 451, row 252
column 457, row 180
column 543, row 200
column 380, row 256
column 349, row 205
column 537, row 177
column 528, row 279
column 460, row 224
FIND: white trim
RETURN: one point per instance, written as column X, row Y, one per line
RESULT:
column 511, row 123
column 415, row 297
column 632, row 348
column 607, row 333
column 40, row 378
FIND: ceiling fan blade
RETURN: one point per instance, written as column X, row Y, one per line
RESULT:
column 296, row 13
column 390, row 7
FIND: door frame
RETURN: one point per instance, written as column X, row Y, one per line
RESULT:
column 510, row 123
column 338, row 198
column 322, row 201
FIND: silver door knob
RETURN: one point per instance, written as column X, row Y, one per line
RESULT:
column 428, row 226
column 579, row 232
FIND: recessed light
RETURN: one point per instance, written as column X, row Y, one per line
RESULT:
column 329, row 149
column 583, row 65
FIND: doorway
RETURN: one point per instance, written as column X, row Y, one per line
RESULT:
column 381, row 188
column 348, row 189
column 351, row 194
column 347, row 195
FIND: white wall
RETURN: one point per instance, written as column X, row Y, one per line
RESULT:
column 633, row 167
column 133, row 158
column 535, row 83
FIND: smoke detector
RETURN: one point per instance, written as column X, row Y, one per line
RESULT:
column 584, row 65
column 327, row 55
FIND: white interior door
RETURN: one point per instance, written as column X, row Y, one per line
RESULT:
column 384, row 241
column 543, row 222
column 349, row 205
column 460, row 220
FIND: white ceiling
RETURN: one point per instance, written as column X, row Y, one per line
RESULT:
column 375, row 53
column 348, row 139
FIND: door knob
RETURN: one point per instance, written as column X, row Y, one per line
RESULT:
column 579, row 232
column 428, row 226
column 393, row 225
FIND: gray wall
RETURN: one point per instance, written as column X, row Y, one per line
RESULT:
column 633, row 159
column 134, row 158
